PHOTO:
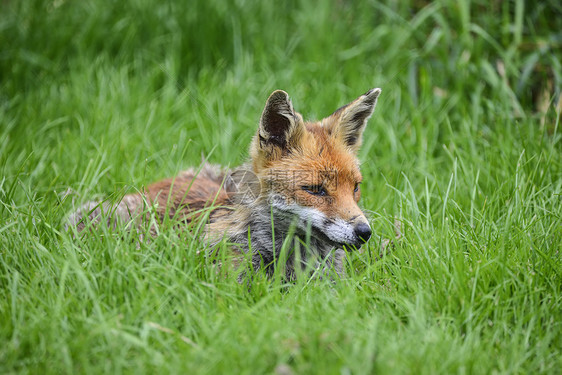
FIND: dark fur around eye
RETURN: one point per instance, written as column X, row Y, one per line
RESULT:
column 315, row 190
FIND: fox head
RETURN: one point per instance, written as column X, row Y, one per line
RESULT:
column 309, row 171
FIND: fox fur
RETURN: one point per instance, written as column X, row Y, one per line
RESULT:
column 301, row 183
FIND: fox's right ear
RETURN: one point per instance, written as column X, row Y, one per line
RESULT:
column 348, row 122
column 280, row 126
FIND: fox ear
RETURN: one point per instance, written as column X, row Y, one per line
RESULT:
column 280, row 126
column 348, row 122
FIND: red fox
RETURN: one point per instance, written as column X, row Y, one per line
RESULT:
column 302, row 182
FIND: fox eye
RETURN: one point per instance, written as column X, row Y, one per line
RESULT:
column 356, row 187
column 315, row 190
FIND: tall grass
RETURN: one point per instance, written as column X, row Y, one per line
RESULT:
column 101, row 98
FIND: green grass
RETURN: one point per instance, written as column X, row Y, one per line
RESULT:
column 104, row 97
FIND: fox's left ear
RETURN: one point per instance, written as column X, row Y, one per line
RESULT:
column 280, row 126
column 348, row 122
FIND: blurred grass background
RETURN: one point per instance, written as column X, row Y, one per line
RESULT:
column 464, row 147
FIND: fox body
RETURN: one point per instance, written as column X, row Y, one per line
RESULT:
column 302, row 183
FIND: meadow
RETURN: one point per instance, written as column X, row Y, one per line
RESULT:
column 101, row 98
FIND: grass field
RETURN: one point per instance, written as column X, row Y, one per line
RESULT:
column 100, row 98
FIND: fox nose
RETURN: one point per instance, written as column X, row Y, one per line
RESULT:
column 363, row 231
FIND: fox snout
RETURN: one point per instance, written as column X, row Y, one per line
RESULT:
column 363, row 233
